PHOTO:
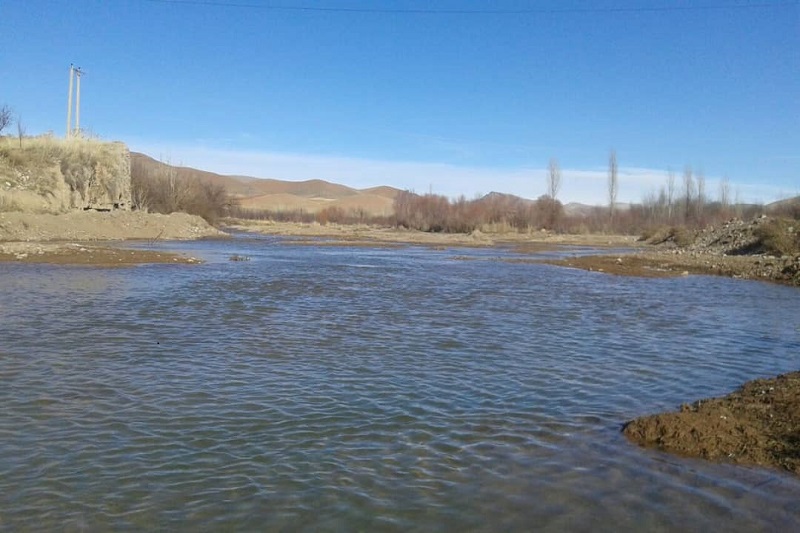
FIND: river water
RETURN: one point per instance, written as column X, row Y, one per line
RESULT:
column 372, row 389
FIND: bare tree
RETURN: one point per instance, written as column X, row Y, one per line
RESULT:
column 670, row 193
column 737, row 203
column 175, row 190
column 701, row 195
column 612, row 183
column 6, row 117
column 20, row 130
column 725, row 196
column 553, row 178
column 553, row 207
column 688, row 191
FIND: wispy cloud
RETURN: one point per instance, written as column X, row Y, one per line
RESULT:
column 466, row 149
column 578, row 185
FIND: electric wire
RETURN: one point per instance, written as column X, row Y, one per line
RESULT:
column 527, row 11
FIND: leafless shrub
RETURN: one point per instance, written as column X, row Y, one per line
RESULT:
column 20, row 131
column 682, row 236
column 725, row 196
column 700, row 204
column 6, row 117
column 779, row 236
column 294, row 215
column 77, row 167
column 688, row 193
column 679, row 235
column 670, row 195
column 160, row 189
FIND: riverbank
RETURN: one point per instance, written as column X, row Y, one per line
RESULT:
column 69, row 253
column 664, row 259
column 90, row 237
column 86, row 226
column 349, row 234
column 766, row 249
column 706, row 256
column 658, row 264
column 759, row 424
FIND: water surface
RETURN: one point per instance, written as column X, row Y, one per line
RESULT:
column 336, row 388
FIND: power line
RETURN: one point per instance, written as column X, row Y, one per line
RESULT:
column 531, row 11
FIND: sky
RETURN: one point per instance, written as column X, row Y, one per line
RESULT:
column 454, row 97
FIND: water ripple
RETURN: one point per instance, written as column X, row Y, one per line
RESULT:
column 373, row 389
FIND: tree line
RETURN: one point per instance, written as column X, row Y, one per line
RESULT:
column 686, row 203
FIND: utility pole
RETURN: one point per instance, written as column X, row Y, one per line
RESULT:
column 69, row 101
column 78, row 73
column 74, row 72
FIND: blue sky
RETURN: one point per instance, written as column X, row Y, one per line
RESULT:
column 453, row 102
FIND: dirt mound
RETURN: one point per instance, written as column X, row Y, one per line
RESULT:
column 761, row 236
column 94, row 226
column 734, row 237
column 759, row 425
column 766, row 248
column 85, row 255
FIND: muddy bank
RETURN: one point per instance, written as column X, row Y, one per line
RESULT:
column 532, row 241
column 764, row 248
column 64, row 239
column 85, row 254
column 103, row 226
column 652, row 264
column 759, row 424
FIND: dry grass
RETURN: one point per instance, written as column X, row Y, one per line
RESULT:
column 679, row 235
column 47, row 174
column 780, row 236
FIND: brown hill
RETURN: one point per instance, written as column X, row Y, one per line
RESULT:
column 306, row 189
column 235, row 186
column 382, row 190
column 371, row 204
column 285, row 202
column 278, row 195
column 789, row 207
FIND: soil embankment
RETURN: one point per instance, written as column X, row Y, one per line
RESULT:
column 103, row 226
column 350, row 234
column 63, row 239
column 85, row 254
column 658, row 264
column 758, row 424
column 762, row 249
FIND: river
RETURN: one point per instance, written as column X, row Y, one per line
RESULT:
column 376, row 389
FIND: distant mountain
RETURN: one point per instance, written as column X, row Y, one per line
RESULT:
column 382, row 190
column 234, row 185
column 277, row 195
column 575, row 209
column 306, row 189
column 314, row 195
column 503, row 197
column 784, row 205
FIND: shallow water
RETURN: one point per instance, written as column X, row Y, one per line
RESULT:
column 335, row 388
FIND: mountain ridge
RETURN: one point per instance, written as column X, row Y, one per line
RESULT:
column 313, row 195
